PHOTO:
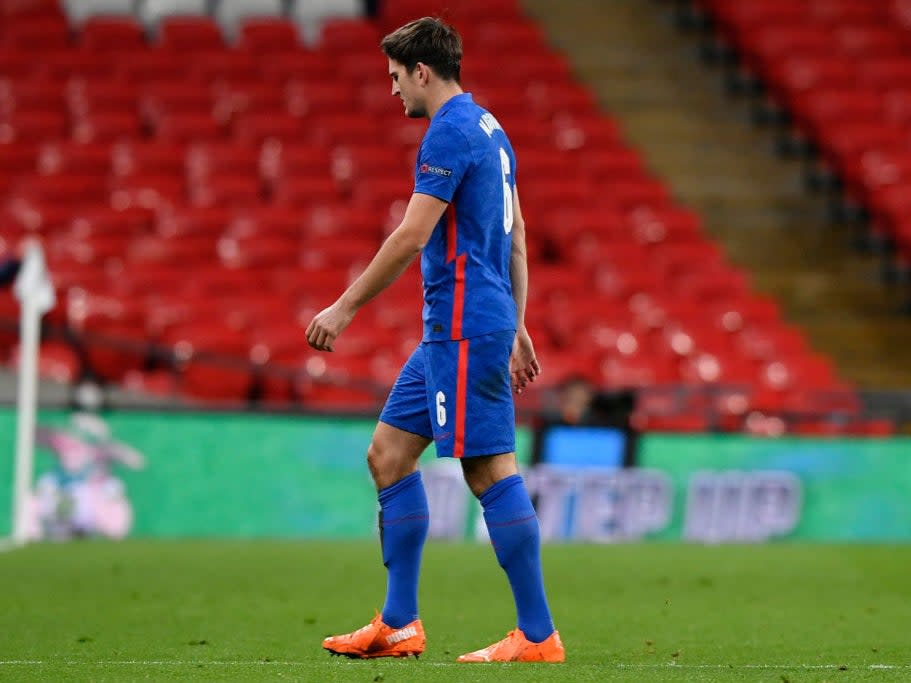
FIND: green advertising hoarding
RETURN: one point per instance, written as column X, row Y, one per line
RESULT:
column 737, row 488
column 199, row 474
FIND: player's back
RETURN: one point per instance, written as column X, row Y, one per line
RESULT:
column 467, row 160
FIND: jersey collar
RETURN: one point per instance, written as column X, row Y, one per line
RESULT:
column 453, row 101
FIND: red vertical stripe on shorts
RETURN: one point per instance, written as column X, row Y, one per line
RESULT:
column 458, row 449
column 451, row 234
column 458, row 297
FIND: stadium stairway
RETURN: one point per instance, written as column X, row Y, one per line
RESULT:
column 701, row 141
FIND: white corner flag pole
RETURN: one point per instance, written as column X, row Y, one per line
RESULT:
column 35, row 293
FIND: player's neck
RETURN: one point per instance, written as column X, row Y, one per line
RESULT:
column 440, row 96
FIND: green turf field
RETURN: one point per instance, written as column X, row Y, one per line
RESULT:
column 258, row 610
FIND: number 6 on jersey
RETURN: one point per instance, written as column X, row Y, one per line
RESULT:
column 507, row 192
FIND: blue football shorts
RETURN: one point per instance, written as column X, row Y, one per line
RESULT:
column 459, row 394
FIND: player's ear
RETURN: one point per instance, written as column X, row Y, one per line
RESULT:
column 423, row 73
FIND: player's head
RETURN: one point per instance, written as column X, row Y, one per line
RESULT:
column 422, row 53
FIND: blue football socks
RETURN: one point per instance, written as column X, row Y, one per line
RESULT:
column 404, row 520
column 516, row 538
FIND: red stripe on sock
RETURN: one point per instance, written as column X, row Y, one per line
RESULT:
column 458, row 450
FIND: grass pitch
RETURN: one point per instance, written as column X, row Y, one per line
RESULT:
column 214, row 611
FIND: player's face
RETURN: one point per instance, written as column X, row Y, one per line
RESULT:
column 409, row 88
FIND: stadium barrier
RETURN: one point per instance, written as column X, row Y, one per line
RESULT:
column 188, row 474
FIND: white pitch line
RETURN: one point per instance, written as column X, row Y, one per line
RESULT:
column 257, row 662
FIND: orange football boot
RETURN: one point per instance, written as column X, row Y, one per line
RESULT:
column 515, row 647
column 376, row 639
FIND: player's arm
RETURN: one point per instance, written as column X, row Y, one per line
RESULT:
column 398, row 250
column 523, row 364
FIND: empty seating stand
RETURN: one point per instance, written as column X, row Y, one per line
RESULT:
column 205, row 184
column 842, row 70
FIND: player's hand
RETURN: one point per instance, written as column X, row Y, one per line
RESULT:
column 327, row 325
column 523, row 365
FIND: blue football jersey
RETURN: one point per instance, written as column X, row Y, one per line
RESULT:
column 466, row 159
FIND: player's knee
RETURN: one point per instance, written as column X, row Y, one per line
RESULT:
column 381, row 461
column 477, row 481
column 483, row 472
column 375, row 459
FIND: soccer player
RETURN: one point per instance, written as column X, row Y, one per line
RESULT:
column 455, row 389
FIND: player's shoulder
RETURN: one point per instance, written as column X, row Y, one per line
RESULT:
column 472, row 118
column 465, row 128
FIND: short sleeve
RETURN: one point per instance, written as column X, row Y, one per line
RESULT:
column 442, row 161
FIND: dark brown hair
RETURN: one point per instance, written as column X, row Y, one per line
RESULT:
column 427, row 40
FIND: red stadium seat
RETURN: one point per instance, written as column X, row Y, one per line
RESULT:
column 15, row 64
column 61, row 65
column 657, row 224
column 113, row 34
column 220, row 65
column 288, row 158
column 226, row 189
column 619, row 371
column 57, row 361
column 255, row 128
column 72, row 188
column 846, row 12
column 189, row 34
column 194, row 221
column 865, row 41
column 886, row 73
column 267, row 221
column 338, row 252
column 305, row 191
column 150, row 191
column 774, row 42
column 739, row 18
column 338, row 397
column 234, row 99
column 394, row 13
column 154, row 65
column 212, row 362
column 115, row 340
column 340, row 36
column 31, row 95
column 34, row 125
column 36, row 34
column 28, row 9
column 342, row 219
column 298, row 64
column 187, row 126
column 89, row 97
column 821, row 109
column 104, row 220
column 108, row 127
column 306, row 98
column 354, row 164
column 379, row 193
column 265, row 35
column 362, row 68
column 679, row 424
column 166, row 98
column 339, row 128
column 794, row 75
column 36, row 214
column 186, row 250
column 140, row 157
column 205, row 159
